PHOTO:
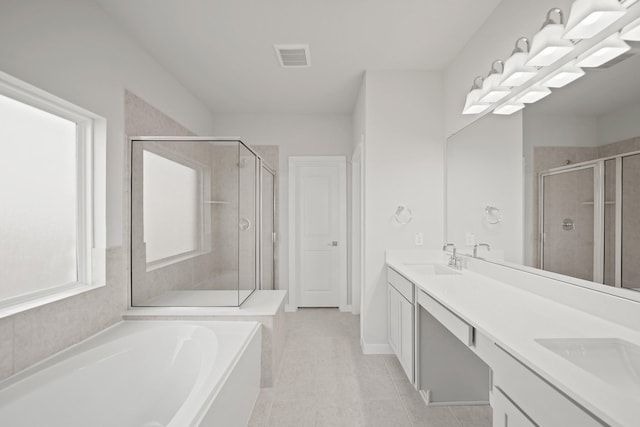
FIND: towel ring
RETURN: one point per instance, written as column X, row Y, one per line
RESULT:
column 403, row 215
column 493, row 215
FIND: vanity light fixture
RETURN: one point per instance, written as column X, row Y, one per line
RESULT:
column 533, row 94
column 492, row 91
column 507, row 109
column 603, row 52
column 563, row 76
column 516, row 73
column 588, row 17
column 471, row 105
column 631, row 31
column 548, row 45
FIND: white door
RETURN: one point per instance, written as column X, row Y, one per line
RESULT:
column 320, row 231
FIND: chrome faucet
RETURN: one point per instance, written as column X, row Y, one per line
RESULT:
column 454, row 260
column 479, row 245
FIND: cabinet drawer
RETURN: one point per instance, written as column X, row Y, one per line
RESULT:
column 542, row 402
column 403, row 286
column 458, row 327
column 506, row 414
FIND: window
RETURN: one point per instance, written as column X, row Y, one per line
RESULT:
column 172, row 205
column 48, row 243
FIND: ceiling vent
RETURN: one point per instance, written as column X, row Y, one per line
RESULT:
column 293, row 55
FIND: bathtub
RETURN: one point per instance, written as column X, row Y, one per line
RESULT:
column 142, row 374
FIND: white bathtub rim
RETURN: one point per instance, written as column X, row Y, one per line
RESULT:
column 185, row 415
column 190, row 413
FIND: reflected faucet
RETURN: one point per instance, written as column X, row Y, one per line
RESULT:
column 454, row 260
column 479, row 245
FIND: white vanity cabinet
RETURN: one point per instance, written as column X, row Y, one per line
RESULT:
column 476, row 340
column 523, row 398
column 400, row 320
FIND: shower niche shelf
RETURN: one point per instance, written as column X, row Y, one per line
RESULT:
column 606, row 203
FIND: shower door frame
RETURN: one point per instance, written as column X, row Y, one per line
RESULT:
column 598, row 209
column 599, row 179
column 264, row 165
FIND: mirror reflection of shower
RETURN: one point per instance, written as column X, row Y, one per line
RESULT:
column 588, row 217
column 195, row 210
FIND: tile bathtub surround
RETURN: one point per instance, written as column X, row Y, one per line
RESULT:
column 29, row 337
column 6, row 347
column 325, row 380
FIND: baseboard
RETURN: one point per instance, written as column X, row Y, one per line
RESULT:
column 290, row 308
column 426, row 397
column 376, row 348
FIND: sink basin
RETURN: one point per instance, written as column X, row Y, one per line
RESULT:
column 432, row 269
column 615, row 361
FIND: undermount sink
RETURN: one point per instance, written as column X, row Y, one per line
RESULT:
column 615, row 361
column 432, row 269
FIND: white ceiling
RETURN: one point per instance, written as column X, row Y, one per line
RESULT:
column 222, row 50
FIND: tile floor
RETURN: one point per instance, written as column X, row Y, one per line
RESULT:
column 325, row 380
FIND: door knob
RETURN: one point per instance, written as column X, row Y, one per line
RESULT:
column 334, row 243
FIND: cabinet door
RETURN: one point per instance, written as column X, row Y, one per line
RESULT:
column 506, row 414
column 393, row 319
column 406, row 337
column 540, row 400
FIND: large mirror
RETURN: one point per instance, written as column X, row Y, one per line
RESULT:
column 582, row 193
column 556, row 187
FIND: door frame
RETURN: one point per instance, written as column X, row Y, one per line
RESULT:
column 598, row 210
column 357, row 227
column 295, row 163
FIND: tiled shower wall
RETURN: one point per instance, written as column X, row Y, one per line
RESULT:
column 185, row 274
column 142, row 119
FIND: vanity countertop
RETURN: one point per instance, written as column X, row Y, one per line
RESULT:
column 514, row 318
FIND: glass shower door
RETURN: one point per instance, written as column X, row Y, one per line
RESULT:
column 267, row 270
column 247, row 222
column 630, row 236
column 569, row 215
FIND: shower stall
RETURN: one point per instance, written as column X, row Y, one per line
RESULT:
column 589, row 216
column 202, row 222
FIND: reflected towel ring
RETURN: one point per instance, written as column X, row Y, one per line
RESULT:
column 245, row 224
column 493, row 215
column 403, row 215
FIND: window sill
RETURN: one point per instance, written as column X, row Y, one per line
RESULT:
column 28, row 302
